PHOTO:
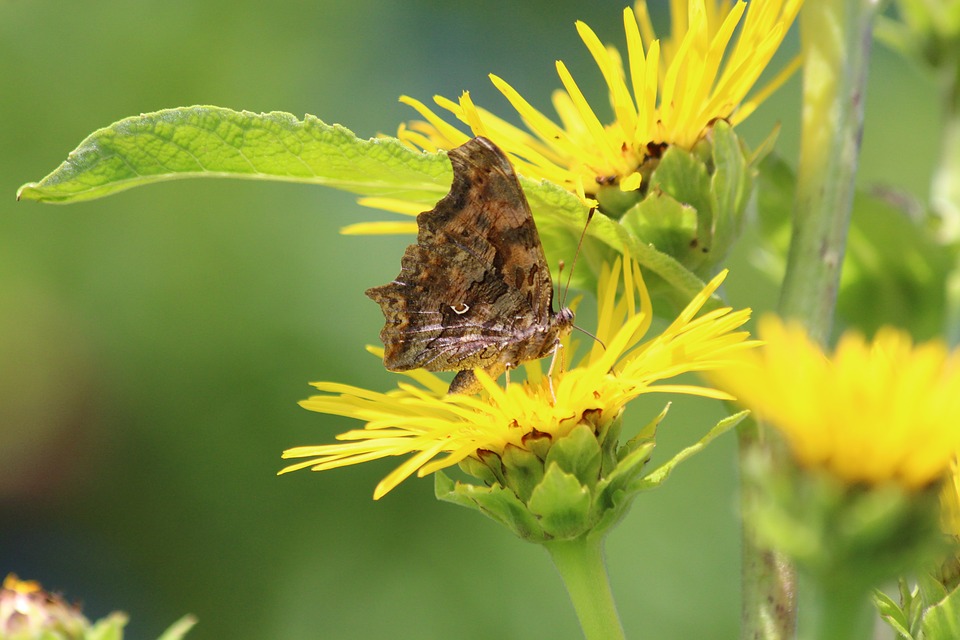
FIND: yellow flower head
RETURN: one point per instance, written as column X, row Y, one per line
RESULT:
column 664, row 95
column 874, row 412
column 439, row 430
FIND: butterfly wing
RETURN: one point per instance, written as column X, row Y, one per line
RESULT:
column 476, row 280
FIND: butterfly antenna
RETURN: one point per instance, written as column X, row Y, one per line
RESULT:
column 587, row 333
column 583, row 234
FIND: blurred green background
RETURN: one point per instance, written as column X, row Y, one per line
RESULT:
column 153, row 345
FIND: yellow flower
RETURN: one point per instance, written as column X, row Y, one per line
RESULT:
column 873, row 412
column 665, row 95
column 439, row 430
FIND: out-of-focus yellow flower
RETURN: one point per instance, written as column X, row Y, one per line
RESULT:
column 873, row 412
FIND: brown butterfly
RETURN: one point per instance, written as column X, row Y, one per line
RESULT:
column 475, row 290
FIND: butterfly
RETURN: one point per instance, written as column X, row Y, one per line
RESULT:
column 475, row 290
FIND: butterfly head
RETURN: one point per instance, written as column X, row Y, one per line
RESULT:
column 564, row 319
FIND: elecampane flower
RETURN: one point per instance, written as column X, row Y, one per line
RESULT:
column 438, row 430
column 878, row 411
column 665, row 94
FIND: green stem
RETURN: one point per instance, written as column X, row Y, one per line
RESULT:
column 835, row 38
column 769, row 601
column 582, row 568
column 945, row 190
column 835, row 610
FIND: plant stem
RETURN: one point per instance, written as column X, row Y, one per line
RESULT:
column 769, row 602
column 582, row 568
column 835, row 38
column 945, row 190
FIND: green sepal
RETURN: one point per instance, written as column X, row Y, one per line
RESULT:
column 614, row 202
column 578, row 453
column 941, row 621
column 522, row 470
column 685, row 178
column 836, row 532
column 562, row 504
column 612, row 495
column 473, row 467
column 616, row 486
column 580, row 487
column 538, row 443
column 927, row 611
column 495, row 502
column 646, row 435
column 696, row 201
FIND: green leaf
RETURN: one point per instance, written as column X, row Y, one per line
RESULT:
column 206, row 141
column 656, row 477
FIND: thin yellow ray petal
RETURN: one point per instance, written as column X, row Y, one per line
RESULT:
column 643, row 20
column 589, row 118
column 405, row 207
column 404, row 471
column 624, row 109
column 454, row 137
column 638, row 70
column 379, row 228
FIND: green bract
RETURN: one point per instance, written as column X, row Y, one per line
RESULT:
column 845, row 534
column 926, row 612
column 583, row 484
column 696, row 201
